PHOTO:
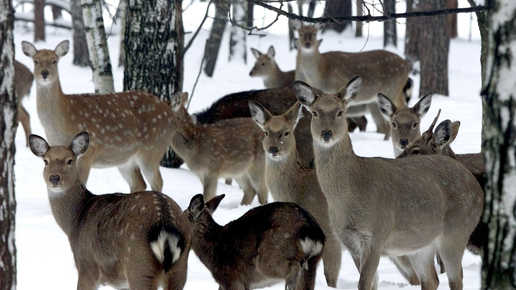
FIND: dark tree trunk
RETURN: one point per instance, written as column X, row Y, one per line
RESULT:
column 499, row 147
column 250, row 13
column 122, row 11
column 8, row 124
column 483, row 26
column 452, row 19
column 337, row 8
column 390, row 34
column 358, row 28
column 427, row 41
column 81, row 56
column 57, row 12
column 211, row 50
column 39, row 20
column 154, row 39
column 238, row 36
column 291, row 35
column 311, row 8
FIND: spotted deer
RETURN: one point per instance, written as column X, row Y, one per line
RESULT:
column 268, row 244
column 405, row 121
column 23, row 79
column 129, row 130
column 288, row 181
column 136, row 241
column 377, row 209
column 225, row 149
column 380, row 70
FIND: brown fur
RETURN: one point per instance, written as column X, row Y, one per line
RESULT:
column 23, row 79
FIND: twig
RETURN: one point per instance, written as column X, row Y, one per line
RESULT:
column 195, row 83
column 187, row 46
column 256, row 28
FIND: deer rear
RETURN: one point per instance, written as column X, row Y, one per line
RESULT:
column 23, row 79
column 137, row 241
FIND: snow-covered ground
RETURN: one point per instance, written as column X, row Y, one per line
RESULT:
column 44, row 257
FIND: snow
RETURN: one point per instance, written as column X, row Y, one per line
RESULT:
column 45, row 260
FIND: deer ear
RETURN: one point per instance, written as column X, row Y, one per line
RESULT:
column 62, row 48
column 38, row 145
column 256, row 52
column 80, row 143
column 28, row 48
column 294, row 114
column 259, row 114
column 351, row 90
column 271, row 52
column 407, row 90
column 178, row 100
column 387, row 108
column 213, row 203
column 196, row 205
column 304, row 93
column 454, row 130
column 423, row 105
column 443, row 134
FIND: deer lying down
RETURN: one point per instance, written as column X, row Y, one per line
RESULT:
column 228, row 148
column 270, row 243
column 23, row 79
column 136, row 241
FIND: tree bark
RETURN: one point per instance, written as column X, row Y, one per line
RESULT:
column 8, row 124
column 57, row 13
column 452, row 19
column 337, row 8
column 81, row 56
column 499, row 147
column 122, row 11
column 39, row 20
column 211, row 50
column 154, row 39
column 483, row 26
column 311, row 8
column 250, row 13
column 238, row 36
column 358, row 28
column 291, row 36
column 97, row 46
column 390, row 34
column 413, row 33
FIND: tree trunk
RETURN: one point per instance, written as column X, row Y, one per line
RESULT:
column 311, row 8
column 97, row 46
column 337, row 8
column 291, row 35
column 81, row 56
column 39, row 20
column 484, row 36
column 57, row 13
column 358, row 28
column 452, row 18
column 238, row 36
column 154, row 37
column 250, row 13
column 499, row 147
column 390, row 34
column 122, row 11
column 8, row 124
column 424, row 33
column 211, row 50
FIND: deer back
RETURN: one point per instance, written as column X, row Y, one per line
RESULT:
column 23, row 80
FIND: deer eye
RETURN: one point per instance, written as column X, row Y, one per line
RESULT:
column 263, row 63
column 314, row 113
column 36, row 62
column 414, row 126
column 416, row 151
column 46, row 162
column 394, row 125
column 286, row 133
column 69, row 161
column 266, row 133
column 54, row 62
column 339, row 113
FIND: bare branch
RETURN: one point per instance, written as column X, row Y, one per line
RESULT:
column 187, row 46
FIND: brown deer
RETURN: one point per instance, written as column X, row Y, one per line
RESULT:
column 405, row 121
column 23, row 79
column 289, row 182
column 228, row 148
column 270, row 243
column 129, row 130
column 136, row 241
column 377, row 209
column 381, row 71
column 268, row 70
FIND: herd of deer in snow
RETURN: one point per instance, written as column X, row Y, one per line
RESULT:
column 293, row 142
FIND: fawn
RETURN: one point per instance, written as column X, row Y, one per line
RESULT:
column 136, row 241
column 23, row 79
column 268, row 244
column 268, row 70
column 228, row 148
column 129, row 130
column 377, row 209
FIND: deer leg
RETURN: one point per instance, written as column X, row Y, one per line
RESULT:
column 24, row 119
column 368, row 266
column 423, row 263
column 332, row 255
column 451, row 251
column 307, row 279
column 405, row 267
column 381, row 124
column 249, row 192
column 292, row 276
column 209, row 187
column 131, row 173
column 88, row 279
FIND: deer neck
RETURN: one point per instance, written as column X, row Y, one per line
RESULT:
column 185, row 137
column 275, row 78
column 52, row 112
column 205, row 238
column 308, row 59
column 68, row 205
column 281, row 175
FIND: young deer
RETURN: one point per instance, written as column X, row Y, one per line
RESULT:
column 136, row 241
column 228, row 148
column 377, row 209
column 405, row 121
column 288, row 181
column 23, row 79
column 266, row 68
column 270, row 243
column 129, row 130
column 381, row 71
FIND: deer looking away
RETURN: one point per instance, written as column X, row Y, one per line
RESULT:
column 129, row 130
column 380, row 70
column 377, row 209
column 136, row 241
column 23, row 79
column 270, row 243
column 288, row 181
column 225, row 149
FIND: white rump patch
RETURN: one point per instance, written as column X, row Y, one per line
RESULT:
column 158, row 246
column 311, row 247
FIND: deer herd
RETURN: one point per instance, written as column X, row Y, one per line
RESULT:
column 290, row 140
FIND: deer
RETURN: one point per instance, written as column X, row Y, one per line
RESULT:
column 268, row 244
column 381, row 71
column 23, row 79
column 288, row 181
column 405, row 121
column 228, row 148
column 377, row 209
column 129, row 130
column 134, row 241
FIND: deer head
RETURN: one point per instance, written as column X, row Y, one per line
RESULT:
column 45, row 61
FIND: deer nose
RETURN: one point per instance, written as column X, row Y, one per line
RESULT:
column 326, row 135
column 54, row 179
column 44, row 74
column 273, row 150
column 307, row 44
column 403, row 143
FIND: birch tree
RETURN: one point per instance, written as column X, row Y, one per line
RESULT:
column 238, row 36
column 8, row 125
column 154, row 41
column 81, row 56
column 97, row 46
column 390, row 34
column 499, row 147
